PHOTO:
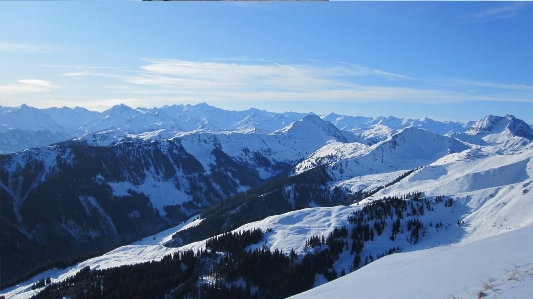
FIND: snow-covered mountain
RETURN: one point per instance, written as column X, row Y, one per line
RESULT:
column 503, row 133
column 474, row 239
column 144, row 170
column 165, row 182
column 206, row 117
column 408, row 149
column 380, row 128
column 25, row 127
column 73, row 120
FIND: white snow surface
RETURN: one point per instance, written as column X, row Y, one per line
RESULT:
column 160, row 193
column 454, row 271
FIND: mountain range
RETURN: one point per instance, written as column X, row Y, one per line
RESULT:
column 26, row 127
column 76, row 183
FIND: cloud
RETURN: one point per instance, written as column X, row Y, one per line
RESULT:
column 393, row 75
column 81, row 66
column 216, row 77
column 367, row 71
column 492, row 85
column 168, row 81
column 77, row 74
column 27, row 86
column 26, row 48
column 506, row 11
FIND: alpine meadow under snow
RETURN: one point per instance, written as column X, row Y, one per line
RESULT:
column 349, row 206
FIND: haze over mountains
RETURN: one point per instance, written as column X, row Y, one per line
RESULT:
column 116, row 177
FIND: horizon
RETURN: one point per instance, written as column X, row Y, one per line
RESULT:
column 446, row 61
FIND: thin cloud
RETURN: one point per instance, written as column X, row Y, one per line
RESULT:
column 368, row 71
column 77, row 74
column 81, row 66
column 172, row 80
column 492, row 85
column 393, row 75
column 27, row 86
column 27, row 48
column 501, row 12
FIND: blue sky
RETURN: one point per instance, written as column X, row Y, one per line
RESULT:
column 444, row 60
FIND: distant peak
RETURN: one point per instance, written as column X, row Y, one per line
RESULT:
column 311, row 117
column 492, row 124
column 121, row 107
column 203, row 105
column 25, row 108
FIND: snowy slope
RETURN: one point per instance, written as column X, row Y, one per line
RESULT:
column 494, row 267
column 380, row 128
column 74, row 120
column 406, row 150
column 25, row 127
column 28, row 119
column 505, row 134
column 449, row 262
column 494, row 235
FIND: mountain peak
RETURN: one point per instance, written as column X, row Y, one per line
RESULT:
column 312, row 117
column 120, row 109
column 121, row 106
column 496, row 125
column 312, row 124
column 204, row 106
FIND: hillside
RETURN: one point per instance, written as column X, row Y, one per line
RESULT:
column 456, row 234
column 322, row 204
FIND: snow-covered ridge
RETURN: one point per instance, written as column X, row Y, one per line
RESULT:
column 408, row 149
column 19, row 125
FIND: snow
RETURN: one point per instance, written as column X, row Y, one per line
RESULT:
column 291, row 230
column 160, row 193
column 331, row 152
column 27, row 118
column 407, row 150
column 490, row 252
column 455, row 173
column 168, row 121
column 459, row 271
